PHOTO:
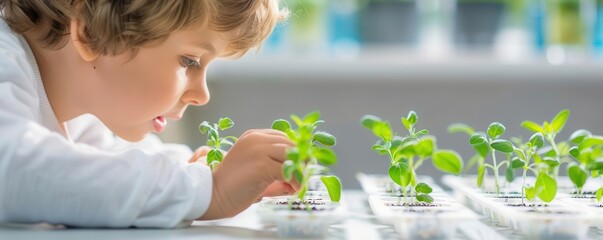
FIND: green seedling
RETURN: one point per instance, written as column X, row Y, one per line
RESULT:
column 406, row 154
column 554, row 154
column 218, row 144
column 587, row 152
column 312, row 149
column 491, row 142
column 545, row 187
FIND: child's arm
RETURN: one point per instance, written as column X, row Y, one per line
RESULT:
column 45, row 178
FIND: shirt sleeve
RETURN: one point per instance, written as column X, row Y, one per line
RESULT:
column 44, row 177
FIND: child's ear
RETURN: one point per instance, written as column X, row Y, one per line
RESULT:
column 79, row 41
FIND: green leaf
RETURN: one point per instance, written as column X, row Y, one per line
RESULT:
column 288, row 168
column 396, row 171
column 537, row 140
column 298, row 175
column 383, row 131
column 425, row 147
column 214, row 155
column 551, row 153
column 552, row 162
column 298, row 121
column 204, row 127
column 578, row 136
column 448, row 161
column 421, row 132
column 481, row 172
column 548, row 128
column 281, row 125
column 599, row 194
column 293, row 154
column 333, row 187
column 477, row 138
column 324, row 138
column 532, row 126
column 590, row 141
column 530, row 192
column 482, row 149
column 460, row 128
column 301, row 194
column 408, row 148
column 558, row 121
column 510, row 174
column 547, row 187
column 423, row 188
column 412, row 118
column 225, row 123
column 502, row 145
column 368, row 121
column 577, row 175
column 517, row 163
column 312, row 117
column 424, row 198
column 574, row 152
column 520, row 154
column 496, row 129
column 405, row 123
column 595, row 166
column 325, row 156
column 380, row 149
column 226, row 142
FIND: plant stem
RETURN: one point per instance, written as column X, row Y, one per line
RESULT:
column 523, row 195
column 412, row 174
column 551, row 139
column 495, row 172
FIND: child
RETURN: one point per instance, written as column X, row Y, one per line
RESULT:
column 75, row 73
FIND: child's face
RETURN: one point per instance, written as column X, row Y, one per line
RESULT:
column 136, row 95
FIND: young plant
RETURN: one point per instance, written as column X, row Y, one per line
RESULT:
column 544, row 188
column 214, row 141
column 493, row 143
column 587, row 151
column 312, row 149
column 406, row 154
column 553, row 156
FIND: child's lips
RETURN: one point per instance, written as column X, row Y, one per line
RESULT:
column 159, row 123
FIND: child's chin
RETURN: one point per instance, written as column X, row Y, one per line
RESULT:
column 131, row 136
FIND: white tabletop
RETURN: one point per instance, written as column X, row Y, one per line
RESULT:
column 360, row 225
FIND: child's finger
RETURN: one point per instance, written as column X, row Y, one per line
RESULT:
column 199, row 153
column 277, row 188
column 264, row 131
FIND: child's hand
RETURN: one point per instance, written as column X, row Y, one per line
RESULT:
column 251, row 168
column 200, row 153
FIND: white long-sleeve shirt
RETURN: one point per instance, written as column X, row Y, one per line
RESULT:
column 86, row 177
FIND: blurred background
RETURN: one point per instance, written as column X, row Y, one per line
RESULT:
column 470, row 61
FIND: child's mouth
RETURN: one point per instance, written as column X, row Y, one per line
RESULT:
column 159, row 123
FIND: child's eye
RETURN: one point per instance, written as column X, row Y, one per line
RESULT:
column 189, row 63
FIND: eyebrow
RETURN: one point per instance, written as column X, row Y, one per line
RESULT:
column 207, row 46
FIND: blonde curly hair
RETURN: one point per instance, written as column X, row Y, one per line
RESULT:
column 113, row 27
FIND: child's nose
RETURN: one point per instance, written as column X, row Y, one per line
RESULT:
column 197, row 93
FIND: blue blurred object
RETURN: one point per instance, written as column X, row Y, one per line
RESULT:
column 276, row 40
column 343, row 26
column 537, row 21
column 597, row 29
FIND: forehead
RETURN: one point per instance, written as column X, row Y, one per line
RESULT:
column 202, row 37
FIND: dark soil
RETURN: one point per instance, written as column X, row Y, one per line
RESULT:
column 298, row 203
column 414, row 204
column 527, row 205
